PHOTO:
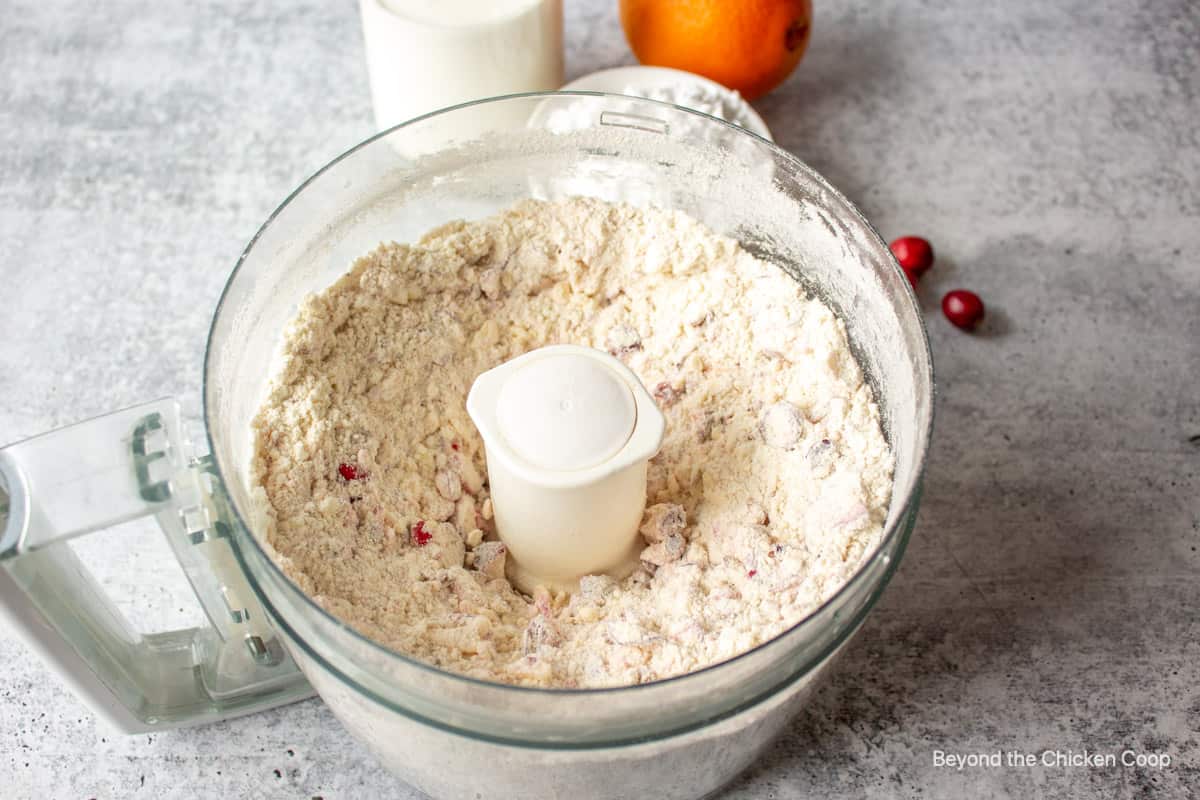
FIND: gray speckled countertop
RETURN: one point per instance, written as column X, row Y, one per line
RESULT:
column 1051, row 151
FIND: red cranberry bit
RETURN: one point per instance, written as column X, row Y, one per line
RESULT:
column 911, row 274
column 914, row 254
column 666, row 395
column 751, row 573
column 350, row 472
column 420, row 536
column 963, row 308
column 454, row 446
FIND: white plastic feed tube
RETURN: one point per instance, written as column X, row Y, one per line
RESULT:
column 568, row 432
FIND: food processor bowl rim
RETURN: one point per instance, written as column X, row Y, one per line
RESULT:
column 896, row 529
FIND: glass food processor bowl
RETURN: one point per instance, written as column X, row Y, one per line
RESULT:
column 452, row 736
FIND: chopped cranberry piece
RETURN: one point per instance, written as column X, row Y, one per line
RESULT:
column 751, row 573
column 914, row 254
column 350, row 472
column 963, row 308
column 420, row 536
column 666, row 394
column 454, row 445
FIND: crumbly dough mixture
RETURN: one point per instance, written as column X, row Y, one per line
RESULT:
column 772, row 484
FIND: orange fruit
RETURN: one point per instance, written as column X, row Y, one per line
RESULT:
column 748, row 45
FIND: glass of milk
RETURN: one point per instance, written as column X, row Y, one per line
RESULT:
column 423, row 55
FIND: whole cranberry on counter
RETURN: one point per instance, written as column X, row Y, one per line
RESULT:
column 963, row 308
column 914, row 254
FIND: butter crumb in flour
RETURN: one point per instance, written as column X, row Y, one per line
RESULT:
column 772, row 485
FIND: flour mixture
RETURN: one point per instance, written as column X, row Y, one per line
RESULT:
column 771, row 487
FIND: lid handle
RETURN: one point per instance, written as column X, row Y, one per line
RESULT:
column 96, row 474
